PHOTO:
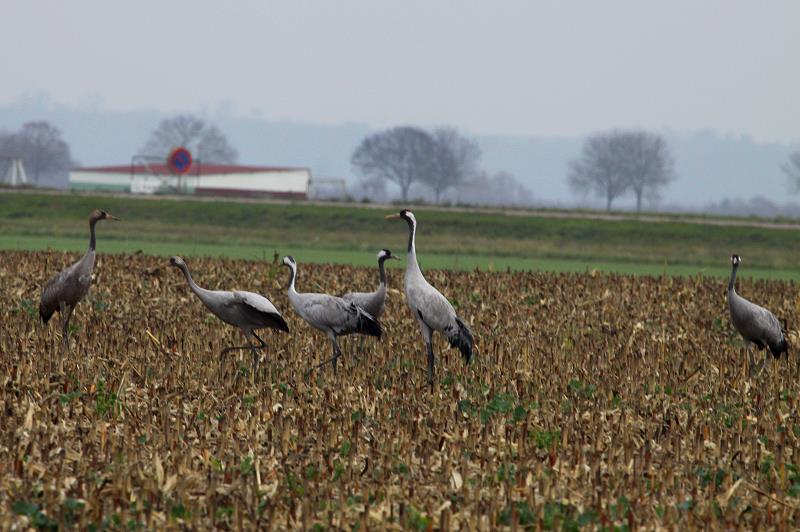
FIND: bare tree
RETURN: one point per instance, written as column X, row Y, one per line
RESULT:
column 205, row 141
column 792, row 170
column 600, row 169
column 649, row 164
column 618, row 161
column 456, row 160
column 401, row 155
column 42, row 150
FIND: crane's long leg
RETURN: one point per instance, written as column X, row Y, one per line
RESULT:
column 67, row 312
column 362, row 343
column 336, row 353
column 262, row 344
column 755, row 369
column 255, row 358
column 247, row 334
column 427, row 335
column 431, row 358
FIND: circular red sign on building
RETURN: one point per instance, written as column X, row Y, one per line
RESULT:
column 179, row 160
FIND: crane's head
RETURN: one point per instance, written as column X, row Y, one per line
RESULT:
column 289, row 262
column 176, row 261
column 405, row 214
column 386, row 254
column 735, row 260
column 99, row 214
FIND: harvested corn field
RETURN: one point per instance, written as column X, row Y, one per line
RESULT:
column 593, row 401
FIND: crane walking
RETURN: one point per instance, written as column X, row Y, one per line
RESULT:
column 67, row 288
column 756, row 324
column 432, row 310
column 330, row 314
column 246, row 310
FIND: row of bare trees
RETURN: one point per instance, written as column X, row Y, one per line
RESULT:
column 615, row 163
column 405, row 155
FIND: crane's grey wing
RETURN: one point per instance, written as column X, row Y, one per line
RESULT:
column 372, row 302
column 68, row 286
column 49, row 302
column 431, row 307
column 335, row 314
column 770, row 327
column 356, row 297
column 754, row 322
column 259, row 310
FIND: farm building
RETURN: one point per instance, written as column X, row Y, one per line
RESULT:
column 202, row 179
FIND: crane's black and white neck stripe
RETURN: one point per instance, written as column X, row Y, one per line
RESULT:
column 383, row 255
column 292, row 265
column 735, row 261
column 408, row 216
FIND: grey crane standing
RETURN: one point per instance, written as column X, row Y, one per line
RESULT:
column 373, row 302
column 756, row 324
column 330, row 314
column 432, row 310
column 65, row 290
column 246, row 310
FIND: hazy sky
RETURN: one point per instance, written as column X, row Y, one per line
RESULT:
column 530, row 68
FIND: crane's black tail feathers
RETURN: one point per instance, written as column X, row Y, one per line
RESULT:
column 46, row 313
column 278, row 322
column 367, row 324
column 461, row 338
column 780, row 347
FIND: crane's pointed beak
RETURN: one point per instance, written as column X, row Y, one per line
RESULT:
column 395, row 257
column 110, row 216
column 392, row 217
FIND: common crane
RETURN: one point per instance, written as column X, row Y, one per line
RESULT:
column 756, row 324
column 330, row 314
column 432, row 310
column 373, row 302
column 246, row 310
column 66, row 289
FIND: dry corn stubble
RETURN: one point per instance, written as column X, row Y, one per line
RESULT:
column 595, row 400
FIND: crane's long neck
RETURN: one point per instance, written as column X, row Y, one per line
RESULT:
column 292, row 277
column 196, row 289
column 412, row 264
column 412, row 235
column 92, row 239
column 733, row 279
column 382, row 270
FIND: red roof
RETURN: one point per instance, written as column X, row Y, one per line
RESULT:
column 197, row 169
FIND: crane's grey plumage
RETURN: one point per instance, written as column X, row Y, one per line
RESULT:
column 432, row 310
column 756, row 324
column 66, row 289
column 373, row 302
column 330, row 314
column 246, row 310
